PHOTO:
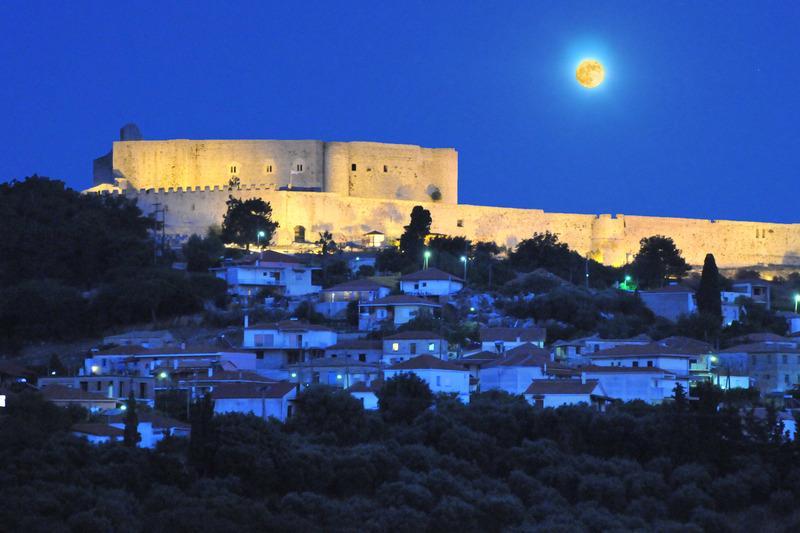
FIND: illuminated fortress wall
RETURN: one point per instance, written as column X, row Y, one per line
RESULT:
column 612, row 240
column 362, row 169
column 350, row 188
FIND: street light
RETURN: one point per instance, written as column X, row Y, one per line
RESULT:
column 427, row 255
column 163, row 375
column 464, row 260
column 796, row 301
column 260, row 235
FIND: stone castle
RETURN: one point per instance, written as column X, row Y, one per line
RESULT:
column 352, row 188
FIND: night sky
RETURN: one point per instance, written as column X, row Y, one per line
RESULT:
column 699, row 115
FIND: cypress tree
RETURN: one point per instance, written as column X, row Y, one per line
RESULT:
column 132, row 436
column 708, row 294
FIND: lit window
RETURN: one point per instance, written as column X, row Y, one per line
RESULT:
column 431, row 347
column 395, row 346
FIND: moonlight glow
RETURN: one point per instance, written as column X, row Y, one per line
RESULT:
column 590, row 73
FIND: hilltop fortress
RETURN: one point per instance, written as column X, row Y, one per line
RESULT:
column 352, row 188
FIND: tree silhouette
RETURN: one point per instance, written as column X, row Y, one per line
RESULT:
column 404, row 397
column 412, row 241
column 708, row 294
column 245, row 220
column 132, row 436
column 658, row 260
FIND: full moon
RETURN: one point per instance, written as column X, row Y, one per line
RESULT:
column 590, row 73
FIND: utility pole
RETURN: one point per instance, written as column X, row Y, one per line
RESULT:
column 159, row 215
column 586, row 271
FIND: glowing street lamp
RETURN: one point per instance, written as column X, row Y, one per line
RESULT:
column 796, row 301
column 163, row 375
column 465, row 260
column 260, row 235
column 426, row 255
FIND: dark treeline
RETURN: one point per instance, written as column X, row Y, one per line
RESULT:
column 72, row 265
column 497, row 464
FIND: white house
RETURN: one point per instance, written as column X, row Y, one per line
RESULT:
column 577, row 350
column 97, row 432
column 758, row 290
column 362, row 350
column 277, row 344
column 431, row 282
column 500, row 339
column 336, row 372
column 152, row 427
column 373, row 239
column 366, row 394
column 773, row 366
column 628, row 383
column 407, row 344
column 441, row 376
column 333, row 301
column 395, row 309
column 680, row 356
column 286, row 274
column 514, row 371
column 670, row 302
column 558, row 392
column 262, row 400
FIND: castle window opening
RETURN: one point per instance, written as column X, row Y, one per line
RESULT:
column 353, row 167
column 299, row 167
column 299, row 234
column 233, row 169
column 460, row 223
column 386, row 168
column 268, row 169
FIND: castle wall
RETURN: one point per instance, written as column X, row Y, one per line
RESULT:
column 190, row 163
column 362, row 169
column 610, row 239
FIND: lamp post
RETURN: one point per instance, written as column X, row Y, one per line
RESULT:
column 260, row 235
column 426, row 255
column 464, row 260
column 796, row 301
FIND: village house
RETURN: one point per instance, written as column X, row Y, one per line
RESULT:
column 500, row 340
column 373, row 239
column 333, row 301
column 627, row 383
column 279, row 344
column 153, row 427
column 363, row 350
column 544, row 393
column 576, row 351
column 284, row 274
column 65, row 396
column 138, row 361
column 336, row 372
column 407, row 344
column 263, row 400
column 441, row 376
column 431, row 282
column 758, row 290
column 356, row 261
column 474, row 362
column 117, row 388
column 396, row 309
column 515, row 370
column 366, row 393
column 98, row 433
column 670, row 302
column 143, row 338
column 772, row 366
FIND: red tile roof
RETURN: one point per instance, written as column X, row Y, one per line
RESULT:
column 562, row 386
column 426, row 362
column 290, row 325
column 400, row 299
column 524, row 355
column 360, row 386
column 413, row 335
column 595, row 369
column 278, row 389
column 355, row 344
column 98, row 429
column 764, row 347
column 533, row 334
column 431, row 274
column 669, row 347
column 479, row 358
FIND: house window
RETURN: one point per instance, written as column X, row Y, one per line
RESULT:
column 413, row 348
column 636, row 364
column 362, row 357
column 395, row 346
column 650, row 363
column 353, row 167
column 386, row 168
column 299, row 234
column 431, row 347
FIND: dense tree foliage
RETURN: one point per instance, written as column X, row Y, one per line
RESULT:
column 248, row 222
column 202, row 253
column 496, row 464
column 53, row 232
column 658, row 261
column 708, row 293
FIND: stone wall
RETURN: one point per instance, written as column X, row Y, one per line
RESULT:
column 610, row 239
column 360, row 169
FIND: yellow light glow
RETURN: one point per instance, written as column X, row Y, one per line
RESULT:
column 590, row 73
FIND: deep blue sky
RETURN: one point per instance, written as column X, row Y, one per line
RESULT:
column 699, row 115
